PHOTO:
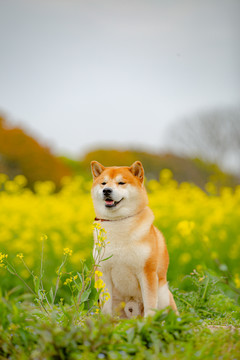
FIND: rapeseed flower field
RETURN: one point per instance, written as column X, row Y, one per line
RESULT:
column 201, row 227
column 48, row 299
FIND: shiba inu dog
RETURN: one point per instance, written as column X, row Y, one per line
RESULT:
column 136, row 272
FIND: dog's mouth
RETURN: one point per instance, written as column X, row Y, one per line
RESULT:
column 111, row 203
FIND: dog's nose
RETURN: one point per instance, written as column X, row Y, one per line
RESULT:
column 107, row 191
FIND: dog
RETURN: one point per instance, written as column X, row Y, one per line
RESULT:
column 135, row 272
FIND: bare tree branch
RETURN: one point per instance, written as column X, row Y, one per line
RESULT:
column 213, row 136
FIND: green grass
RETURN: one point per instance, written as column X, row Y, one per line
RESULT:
column 207, row 327
column 25, row 334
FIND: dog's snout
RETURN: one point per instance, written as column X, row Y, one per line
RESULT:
column 107, row 191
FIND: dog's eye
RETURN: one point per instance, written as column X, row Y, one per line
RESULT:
column 103, row 183
column 121, row 183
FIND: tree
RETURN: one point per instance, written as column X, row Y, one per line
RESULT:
column 213, row 136
column 22, row 154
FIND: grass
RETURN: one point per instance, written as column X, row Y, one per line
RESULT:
column 28, row 334
column 37, row 325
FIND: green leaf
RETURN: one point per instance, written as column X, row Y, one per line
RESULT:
column 85, row 268
column 85, row 295
column 130, row 335
column 36, row 281
column 107, row 258
column 40, row 295
column 51, row 295
column 80, row 277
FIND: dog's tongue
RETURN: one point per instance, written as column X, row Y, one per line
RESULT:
column 109, row 202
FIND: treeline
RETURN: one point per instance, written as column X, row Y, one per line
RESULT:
column 22, row 154
column 184, row 169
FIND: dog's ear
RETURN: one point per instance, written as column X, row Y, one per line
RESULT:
column 97, row 169
column 137, row 170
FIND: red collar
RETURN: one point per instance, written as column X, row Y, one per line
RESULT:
column 96, row 219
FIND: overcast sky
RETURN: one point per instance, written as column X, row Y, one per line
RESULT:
column 82, row 74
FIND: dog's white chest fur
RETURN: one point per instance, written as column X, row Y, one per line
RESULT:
column 128, row 256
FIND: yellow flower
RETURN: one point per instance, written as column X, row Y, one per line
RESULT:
column 20, row 256
column 20, row 180
column 185, row 227
column 211, row 188
column 98, row 273
column 184, row 258
column 2, row 257
column 3, row 178
column 97, row 226
column 214, row 255
column 165, row 175
column 236, row 280
column 107, row 296
column 199, row 267
column 67, row 251
column 68, row 281
column 43, row 237
column 99, row 284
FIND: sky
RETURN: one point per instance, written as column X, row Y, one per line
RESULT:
column 79, row 75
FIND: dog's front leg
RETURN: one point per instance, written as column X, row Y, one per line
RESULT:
column 107, row 307
column 149, row 288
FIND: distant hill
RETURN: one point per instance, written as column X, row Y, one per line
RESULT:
column 184, row 169
column 21, row 154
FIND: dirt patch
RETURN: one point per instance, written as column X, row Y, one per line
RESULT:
column 230, row 328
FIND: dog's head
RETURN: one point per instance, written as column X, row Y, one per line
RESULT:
column 118, row 192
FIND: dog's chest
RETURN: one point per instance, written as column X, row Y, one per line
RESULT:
column 127, row 254
column 125, row 250
column 125, row 265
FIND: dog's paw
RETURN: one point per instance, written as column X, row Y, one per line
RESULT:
column 107, row 308
column 149, row 312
